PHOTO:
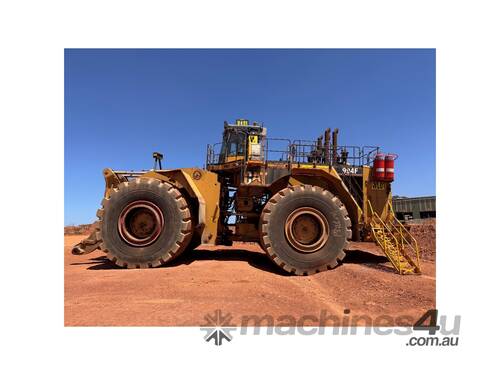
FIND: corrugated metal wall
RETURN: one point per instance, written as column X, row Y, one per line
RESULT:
column 414, row 205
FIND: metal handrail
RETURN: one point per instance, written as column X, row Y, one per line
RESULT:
column 404, row 237
column 393, row 227
column 307, row 152
column 384, row 226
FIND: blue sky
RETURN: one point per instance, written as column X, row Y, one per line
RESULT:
column 121, row 105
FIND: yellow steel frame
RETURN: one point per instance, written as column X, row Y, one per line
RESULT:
column 392, row 237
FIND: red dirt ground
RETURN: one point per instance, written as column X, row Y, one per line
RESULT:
column 240, row 280
column 425, row 233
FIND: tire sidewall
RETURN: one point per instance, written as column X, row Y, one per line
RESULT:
column 164, row 246
column 333, row 247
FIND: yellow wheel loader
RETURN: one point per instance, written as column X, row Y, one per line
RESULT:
column 303, row 201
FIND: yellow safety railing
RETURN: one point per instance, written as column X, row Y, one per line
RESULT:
column 392, row 237
column 406, row 237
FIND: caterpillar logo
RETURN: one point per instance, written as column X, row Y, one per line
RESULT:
column 377, row 185
column 242, row 122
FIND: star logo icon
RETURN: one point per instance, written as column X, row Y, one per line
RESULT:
column 218, row 327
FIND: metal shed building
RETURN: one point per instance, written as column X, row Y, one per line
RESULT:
column 414, row 208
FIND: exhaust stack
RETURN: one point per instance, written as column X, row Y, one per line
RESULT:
column 335, row 145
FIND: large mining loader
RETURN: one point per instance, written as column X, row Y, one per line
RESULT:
column 303, row 201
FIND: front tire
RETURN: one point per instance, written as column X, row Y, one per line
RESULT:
column 144, row 223
column 305, row 229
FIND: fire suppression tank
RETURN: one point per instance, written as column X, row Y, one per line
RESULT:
column 389, row 167
column 379, row 167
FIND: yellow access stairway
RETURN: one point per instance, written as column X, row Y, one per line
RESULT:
column 400, row 247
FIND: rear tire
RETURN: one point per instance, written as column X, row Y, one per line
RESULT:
column 304, row 229
column 144, row 223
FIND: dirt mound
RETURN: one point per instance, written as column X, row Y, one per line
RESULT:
column 83, row 229
column 425, row 233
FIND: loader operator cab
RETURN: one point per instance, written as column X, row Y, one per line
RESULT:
column 242, row 141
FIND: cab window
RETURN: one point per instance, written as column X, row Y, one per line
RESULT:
column 236, row 144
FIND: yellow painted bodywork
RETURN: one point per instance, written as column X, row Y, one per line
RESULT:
column 232, row 158
column 199, row 184
column 377, row 193
column 330, row 180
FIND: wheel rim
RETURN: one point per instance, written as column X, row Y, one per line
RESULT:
column 306, row 229
column 140, row 223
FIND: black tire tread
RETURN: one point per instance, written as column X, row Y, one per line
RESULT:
column 264, row 225
column 183, row 237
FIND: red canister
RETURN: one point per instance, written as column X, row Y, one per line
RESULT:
column 389, row 167
column 379, row 167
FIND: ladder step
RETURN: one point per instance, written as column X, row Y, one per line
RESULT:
column 394, row 239
column 393, row 250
